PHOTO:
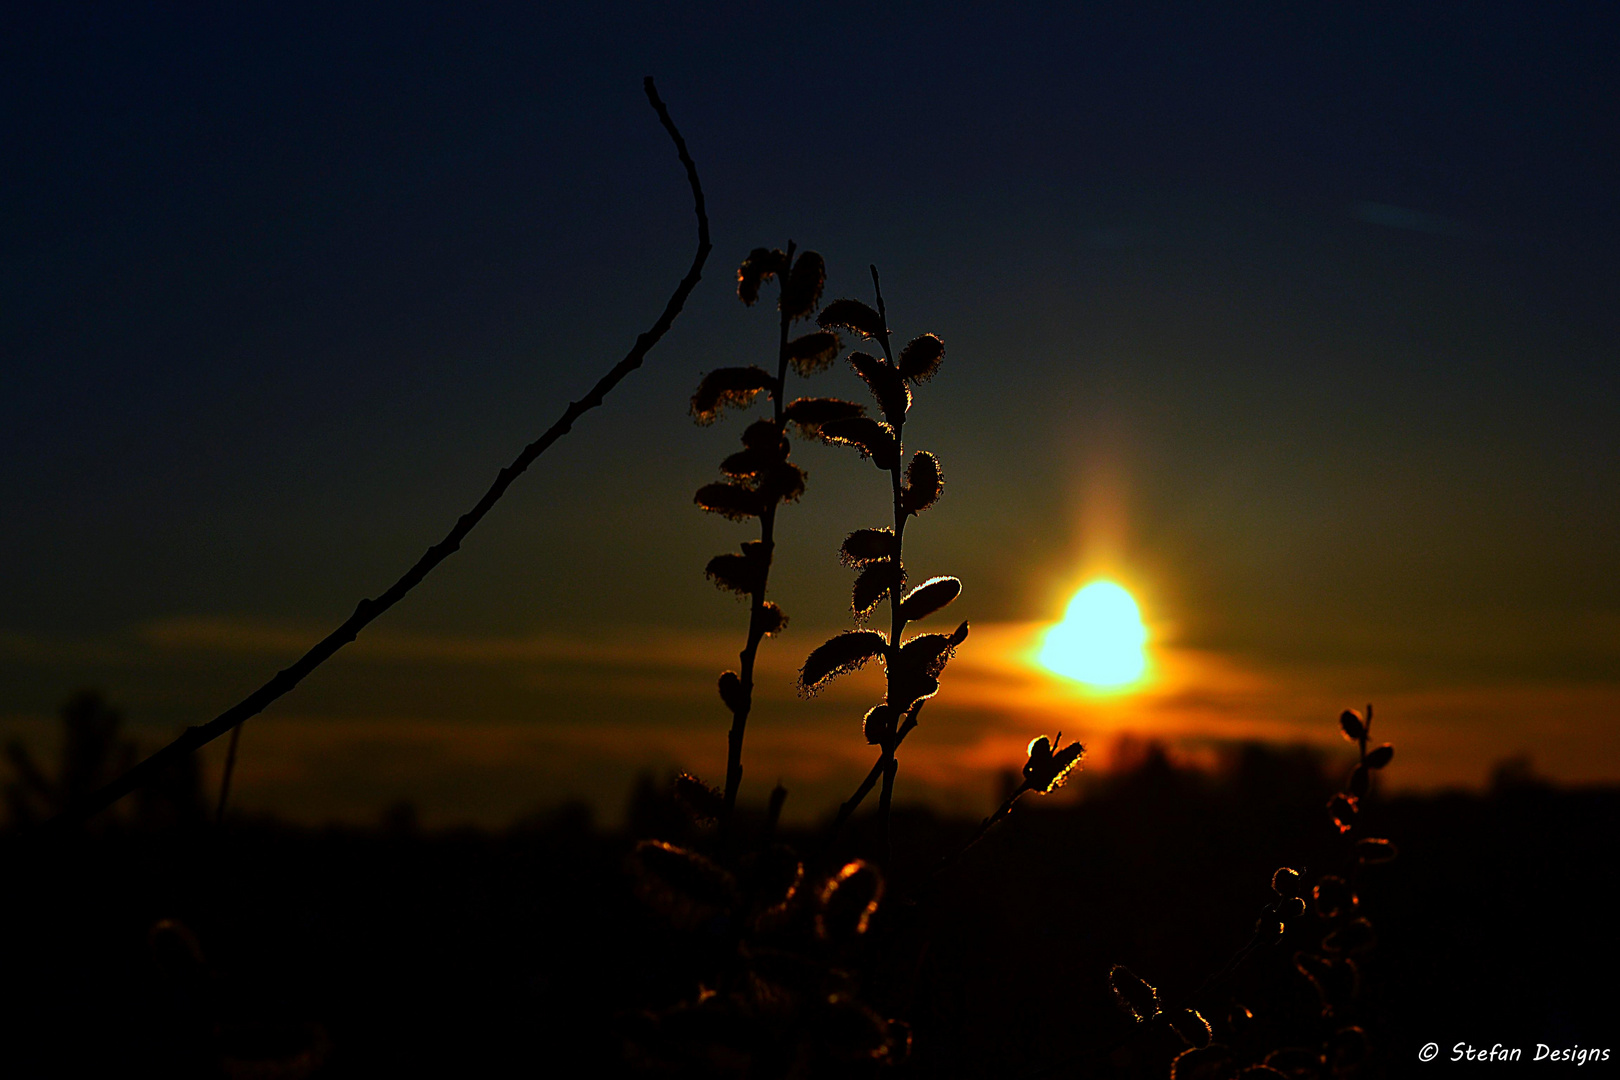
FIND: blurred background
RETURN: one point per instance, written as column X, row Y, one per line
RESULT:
column 1297, row 325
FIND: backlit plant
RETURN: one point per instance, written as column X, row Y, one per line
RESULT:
column 877, row 554
column 760, row 477
column 1328, row 915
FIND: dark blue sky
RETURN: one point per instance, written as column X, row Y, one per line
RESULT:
column 1323, row 301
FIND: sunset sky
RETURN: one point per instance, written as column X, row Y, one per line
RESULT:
column 1302, row 326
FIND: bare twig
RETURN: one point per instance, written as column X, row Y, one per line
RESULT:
column 984, row 830
column 367, row 610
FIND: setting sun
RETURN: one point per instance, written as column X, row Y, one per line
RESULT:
column 1100, row 640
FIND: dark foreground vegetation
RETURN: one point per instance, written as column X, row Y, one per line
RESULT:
column 163, row 944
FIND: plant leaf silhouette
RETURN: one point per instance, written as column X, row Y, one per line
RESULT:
column 813, row 352
column 871, row 585
column 1342, row 809
column 771, row 620
column 765, row 438
column 744, row 464
column 866, row 546
column 727, row 387
column 681, row 885
column 928, row 653
column 848, row 901
column 872, row 438
column 924, row 482
column 761, row 265
column 801, row 292
column 702, row 801
column 1287, row 882
column 916, row 670
column 1334, row 897
column 878, row 723
column 1336, row 982
column 731, row 691
column 931, row 596
column 1047, row 769
column 838, row 656
column 734, row 573
column 921, row 357
column 888, row 387
column 783, row 482
column 1133, row 994
column 1350, row 723
column 809, row 414
column 1191, row 1026
column 728, row 500
column 852, row 315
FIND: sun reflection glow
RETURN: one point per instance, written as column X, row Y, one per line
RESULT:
column 1101, row 640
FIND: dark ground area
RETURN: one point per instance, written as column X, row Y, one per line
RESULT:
column 391, row 952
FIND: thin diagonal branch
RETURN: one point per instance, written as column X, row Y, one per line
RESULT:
column 367, row 610
column 984, row 830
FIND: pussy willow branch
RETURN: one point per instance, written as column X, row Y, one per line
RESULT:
column 897, row 622
column 367, row 610
column 756, row 606
column 1259, row 937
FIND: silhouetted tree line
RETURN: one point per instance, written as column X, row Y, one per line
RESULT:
column 94, row 750
column 265, row 949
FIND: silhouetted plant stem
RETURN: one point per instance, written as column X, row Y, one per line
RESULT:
column 756, row 607
column 912, row 668
column 368, row 609
column 847, row 809
column 885, row 798
column 897, row 622
column 984, row 828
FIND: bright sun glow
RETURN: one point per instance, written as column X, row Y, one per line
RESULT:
column 1100, row 640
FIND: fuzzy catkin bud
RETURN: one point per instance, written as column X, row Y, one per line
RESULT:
column 1287, row 882
column 1133, row 994
column 852, row 315
column 929, row 597
column 839, row 655
column 920, row 359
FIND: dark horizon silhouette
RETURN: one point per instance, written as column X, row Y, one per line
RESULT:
column 349, row 950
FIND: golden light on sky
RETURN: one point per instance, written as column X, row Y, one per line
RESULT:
column 1101, row 640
